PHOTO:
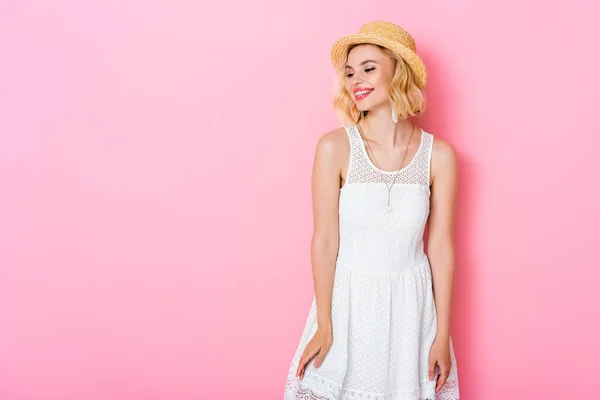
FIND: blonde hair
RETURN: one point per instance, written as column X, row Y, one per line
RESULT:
column 405, row 96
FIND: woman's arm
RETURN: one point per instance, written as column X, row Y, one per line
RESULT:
column 326, row 175
column 325, row 240
column 440, row 246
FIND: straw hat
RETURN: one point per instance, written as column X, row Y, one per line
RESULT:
column 389, row 36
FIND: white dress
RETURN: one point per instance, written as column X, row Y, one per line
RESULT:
column 383, row 312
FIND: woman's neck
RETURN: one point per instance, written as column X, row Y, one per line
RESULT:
column 379, row 127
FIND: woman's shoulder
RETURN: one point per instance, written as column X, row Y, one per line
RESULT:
column 333, row 142
column 443, row 157
column 332, row 148
column 442, row 149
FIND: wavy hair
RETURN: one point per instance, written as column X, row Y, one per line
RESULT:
column 405, row 96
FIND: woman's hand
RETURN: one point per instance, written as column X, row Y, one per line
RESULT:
column 440, row 355
column 319, row 344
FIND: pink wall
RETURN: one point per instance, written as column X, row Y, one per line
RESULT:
column 155, row 214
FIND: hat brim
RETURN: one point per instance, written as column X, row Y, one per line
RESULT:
column 340, row 49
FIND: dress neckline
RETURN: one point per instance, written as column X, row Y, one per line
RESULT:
column 372, row 164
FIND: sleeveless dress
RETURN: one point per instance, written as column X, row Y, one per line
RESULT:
column 383, row 311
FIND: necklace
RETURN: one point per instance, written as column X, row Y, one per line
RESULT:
column 388, row 207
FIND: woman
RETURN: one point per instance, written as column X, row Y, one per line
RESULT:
column 376, row 330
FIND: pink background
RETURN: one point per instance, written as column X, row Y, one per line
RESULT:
column 155, row 215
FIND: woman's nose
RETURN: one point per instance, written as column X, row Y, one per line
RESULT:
column 355, row 80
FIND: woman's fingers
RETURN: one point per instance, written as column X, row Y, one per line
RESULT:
column 301, row 362
column 306, row 356
column 444, row 373
column 319, row 345
column 322, row 353
column 304, row 367
column 318, row 361
column 431, row 373
column 301, row 365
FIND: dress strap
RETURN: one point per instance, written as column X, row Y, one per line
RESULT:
column 352, row 156
column 429, row 152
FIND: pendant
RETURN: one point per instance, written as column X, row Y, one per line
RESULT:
column 388, row 208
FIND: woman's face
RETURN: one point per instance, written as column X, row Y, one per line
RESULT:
column 369, row 72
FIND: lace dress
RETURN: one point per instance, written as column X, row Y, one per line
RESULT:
column 383, row 312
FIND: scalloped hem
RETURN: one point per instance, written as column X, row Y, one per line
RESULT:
column 315, row 387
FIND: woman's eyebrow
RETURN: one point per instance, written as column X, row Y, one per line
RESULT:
column 363, row 63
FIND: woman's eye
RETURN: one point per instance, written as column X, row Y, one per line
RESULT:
column 348, row 75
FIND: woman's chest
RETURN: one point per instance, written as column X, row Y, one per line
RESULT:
column 373, row 204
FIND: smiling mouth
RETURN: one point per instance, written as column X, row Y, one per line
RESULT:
column 361, row 94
